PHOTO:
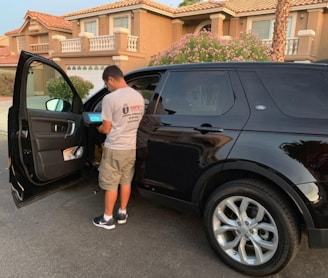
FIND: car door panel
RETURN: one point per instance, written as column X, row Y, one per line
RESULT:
column 46, row 147
column 197, row 133
column 51, row 135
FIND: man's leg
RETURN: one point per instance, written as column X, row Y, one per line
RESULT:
column 125, row 196
column 110, row 200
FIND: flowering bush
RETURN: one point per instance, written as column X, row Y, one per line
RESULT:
column 205, row 47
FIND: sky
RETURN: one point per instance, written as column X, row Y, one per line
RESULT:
column 12, row 15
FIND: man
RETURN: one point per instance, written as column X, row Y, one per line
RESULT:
column 122, row 111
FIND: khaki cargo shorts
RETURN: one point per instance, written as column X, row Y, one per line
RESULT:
column 116, row 167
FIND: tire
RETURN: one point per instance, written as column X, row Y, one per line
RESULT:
column 251, row 227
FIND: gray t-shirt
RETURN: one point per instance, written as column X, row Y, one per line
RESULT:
column 123, row 107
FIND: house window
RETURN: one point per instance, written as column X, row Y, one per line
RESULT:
column 264, row 27
column 120, row 21
column 205, row 25
column 90, row 27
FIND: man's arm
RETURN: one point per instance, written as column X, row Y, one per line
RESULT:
column 105, row 127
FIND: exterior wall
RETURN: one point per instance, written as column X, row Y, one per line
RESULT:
column 323, row 48
column 103, row 25
column 13, row 45
column 315, row 22
column 301, row 23
column 76, row 28
column 154, row 31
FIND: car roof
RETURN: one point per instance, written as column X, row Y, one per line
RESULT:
column 232, row 65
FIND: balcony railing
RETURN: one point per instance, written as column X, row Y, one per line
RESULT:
column 100, row 43
column 291, row 45
column 39, row 48
column 71, row 45
column 132, row 43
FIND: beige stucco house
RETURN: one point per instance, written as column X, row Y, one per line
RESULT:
column 129, row 32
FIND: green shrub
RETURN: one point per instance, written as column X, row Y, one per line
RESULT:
column 7, row 79
column 205, row 47
column 58, row 87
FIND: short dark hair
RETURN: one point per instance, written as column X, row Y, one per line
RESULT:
column 113, row 71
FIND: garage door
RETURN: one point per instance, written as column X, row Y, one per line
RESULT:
column 92, row 73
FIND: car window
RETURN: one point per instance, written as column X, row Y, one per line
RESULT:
column 44, row 84
column 198, row 93
column 298, row 93
column 145, row 85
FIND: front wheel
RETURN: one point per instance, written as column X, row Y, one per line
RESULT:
column 252, row 227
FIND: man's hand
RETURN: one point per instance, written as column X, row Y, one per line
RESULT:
column 105, row 127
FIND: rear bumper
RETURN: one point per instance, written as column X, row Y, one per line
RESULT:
column 318, row 238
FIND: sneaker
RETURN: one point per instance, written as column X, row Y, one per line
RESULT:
column 101, row 222
column 121, row 218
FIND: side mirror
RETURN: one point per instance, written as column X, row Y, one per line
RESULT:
column 58, row 104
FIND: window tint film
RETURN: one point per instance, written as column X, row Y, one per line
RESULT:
column 298, row 93
column 198, row 93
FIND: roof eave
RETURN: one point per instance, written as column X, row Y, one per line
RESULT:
column 208, row 11
column 119, row 10
column 292, row 9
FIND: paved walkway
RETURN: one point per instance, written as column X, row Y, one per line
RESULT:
column 5, row 103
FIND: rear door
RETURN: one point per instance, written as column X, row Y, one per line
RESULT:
column 206, row 110
column 46, row 142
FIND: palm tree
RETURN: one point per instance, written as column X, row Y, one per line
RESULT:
column 188, row 2
column 280, row 29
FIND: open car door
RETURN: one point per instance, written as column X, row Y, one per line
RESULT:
column 46, row 142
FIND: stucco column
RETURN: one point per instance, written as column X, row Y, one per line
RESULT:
column 305, row 44
column 315, row 23
column 85, row 44
column 103, row 25
column 235, row 27
column 177, row 29
column 121, row 39
column 76, row 28
column 139, row 25
column 217, row 24
column 57, row 47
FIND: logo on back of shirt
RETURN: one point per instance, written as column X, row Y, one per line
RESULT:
column 125, row 109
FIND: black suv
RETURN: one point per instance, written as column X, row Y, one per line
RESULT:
column 243, row 144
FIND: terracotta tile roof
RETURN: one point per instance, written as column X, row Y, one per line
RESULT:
column 122, row 4
column 6, row 58
column 237, row 6
column 48, row 20
column 12, row 32
column 4, row 51
column 241, row 6
column 13, row 59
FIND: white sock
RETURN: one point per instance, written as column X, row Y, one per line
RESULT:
column 122, row 211
column 107, row 217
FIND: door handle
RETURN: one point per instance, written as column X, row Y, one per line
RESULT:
column 206, row 129
column 70, row 128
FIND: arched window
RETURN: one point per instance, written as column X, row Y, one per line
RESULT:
column 204, row 25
